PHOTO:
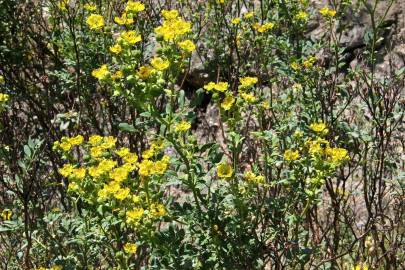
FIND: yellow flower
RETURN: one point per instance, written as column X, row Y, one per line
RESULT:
column 135, row 215
column 318, row 146
column 111, row 188
column 130, row 248
column 247, row 82
column 264, row 28
column 301, row 16
column 132, row 37
column 253, row 178
column 123, row 20
column 65, row 146
column 76, row 140
column 361, row 266
column 224, row 170
column 227, row 103
column 173, row 27
column 319, row 128
column 291, row 155
column 1, row 79
column 119, row 174
column 62, row 4
column 131, row 158
column 95, row 140
column 183, row 126
column 187, row 46
column 66, row 170
column 236, row 21
column 144, row 72
column 159, row 63
column 122, row 152
column 250, row 98
column 265, row 105
column 56, row 267
column 96, row 151
column 309, row 62
column 158, row 144
column 134, row 6
column 148, row 153
column 248, row 15
column 4, row 97
column 221, row 86
column 337, row 155
column 116, row 49
column 101, row 72
column 295, row 66
column 73, row 186
column 170, row 14
column 106, row 165
column 6, row 214
column 90, row 7
column 157, row 210
column 122, row 194
column 95, row 21
column 161, row 165
column 79, row 173
column 117, row 75
column 146, row 167
column 108, row 142
column 327, row 12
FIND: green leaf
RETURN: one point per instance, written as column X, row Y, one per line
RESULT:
column 126, row 127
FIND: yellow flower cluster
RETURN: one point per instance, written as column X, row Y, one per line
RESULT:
column 247, row 82
column 228, row 102
column 62, row 4
column 155, row 211
column 101, row 73
column 301, row 16
column 131, row 37
column 319, row 128
column 124, row 19
column 253, row 178
column 95, row 21
column 116, row 49
column 248, row 97
column 308, row 63
column 236, row 21
column 66, row 143
column 321, row 148
column 249, row 15
column 361, row 266
column 148, row 167
column 3, row 100
column 130, row 248
column 173, row 27
column 221, row 86
column 291, row 155
column 183, row 126
column 144, row 72
column 90, row 6
column 187, row 45
column 263, row 28
column 224, row 170
column 327, row 12
column 159, row 63
column 134, row 6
